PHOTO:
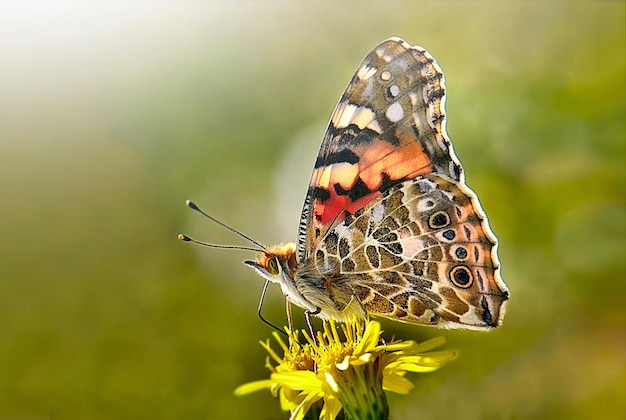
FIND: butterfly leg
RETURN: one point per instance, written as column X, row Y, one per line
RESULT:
column 261, row 307
column 289, row 314
column 307, row 317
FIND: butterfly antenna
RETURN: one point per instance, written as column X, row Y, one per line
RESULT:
column 186, row 238
column 194, row 207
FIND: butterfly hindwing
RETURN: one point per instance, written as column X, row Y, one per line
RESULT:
column 422, row 253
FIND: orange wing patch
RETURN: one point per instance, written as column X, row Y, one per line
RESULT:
column 351, row 186
column 407, row 161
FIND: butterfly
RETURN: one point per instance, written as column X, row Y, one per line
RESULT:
column 389, row 228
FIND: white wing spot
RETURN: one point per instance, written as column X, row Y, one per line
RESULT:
column 381, row 53
column 378, row 213
column 365, row 117
column 373, row 125
column 425, row 205
column 366, row 72
column 344, row 115
column 386, row 75
column 394, row 90
column 394, row 112
column 360, row 116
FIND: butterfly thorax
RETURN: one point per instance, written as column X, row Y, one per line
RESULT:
column 319, row 289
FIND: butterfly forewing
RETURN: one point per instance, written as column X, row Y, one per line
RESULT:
column 389, row 126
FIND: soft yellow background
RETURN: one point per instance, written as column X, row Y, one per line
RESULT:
column 112, row 116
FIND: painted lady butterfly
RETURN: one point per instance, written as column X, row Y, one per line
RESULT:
column 389, row 227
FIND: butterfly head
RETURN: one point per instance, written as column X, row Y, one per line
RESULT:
column 278, row 264
column 275, row 262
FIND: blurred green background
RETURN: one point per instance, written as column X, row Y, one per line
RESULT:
column 111, row 116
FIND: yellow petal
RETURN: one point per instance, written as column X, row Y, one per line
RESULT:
column 333, row 332
column 344, row 364
column 362, row 359
column 432, row 343
column 397, row 384
column 299, row 379
column 289, row 399
column 412, row 367
column 281, row 343
column 253, row 387
column 366, row 358
column 271, row 352
column 439, row 357
column 303, row 407
column 398, row 346
column 330, row 380
column 370, row 338
column 331, row 408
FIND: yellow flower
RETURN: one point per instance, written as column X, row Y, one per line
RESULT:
column 344, row 375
